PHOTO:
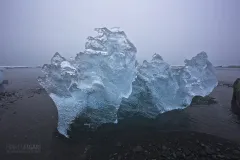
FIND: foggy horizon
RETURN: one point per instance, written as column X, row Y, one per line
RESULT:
column 32, row 31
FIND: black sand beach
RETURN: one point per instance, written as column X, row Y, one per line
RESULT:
column 28, row 121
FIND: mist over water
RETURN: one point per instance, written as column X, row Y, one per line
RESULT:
column 32, row 31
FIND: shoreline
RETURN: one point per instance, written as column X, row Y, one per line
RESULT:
column 109, row 142
column 167, row 145
column 28, row 116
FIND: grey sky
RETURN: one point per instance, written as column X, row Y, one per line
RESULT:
column 33, row 30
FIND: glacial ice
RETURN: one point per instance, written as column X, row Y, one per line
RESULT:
column 94, row 83
column 105, row 82
column 160, row 87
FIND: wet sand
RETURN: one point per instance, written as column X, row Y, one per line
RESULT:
column 30, row 118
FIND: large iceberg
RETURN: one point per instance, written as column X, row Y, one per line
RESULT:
column 105, row 82
column 94, row 83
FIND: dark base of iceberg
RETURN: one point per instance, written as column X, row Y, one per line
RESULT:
column 105, row 84
column 132, row 123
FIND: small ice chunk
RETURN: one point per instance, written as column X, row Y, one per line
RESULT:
column 160, row 87
column 1, row 76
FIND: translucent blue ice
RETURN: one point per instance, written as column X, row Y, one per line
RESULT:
column 160, row 87
column 96, row 79
column 105, row 81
